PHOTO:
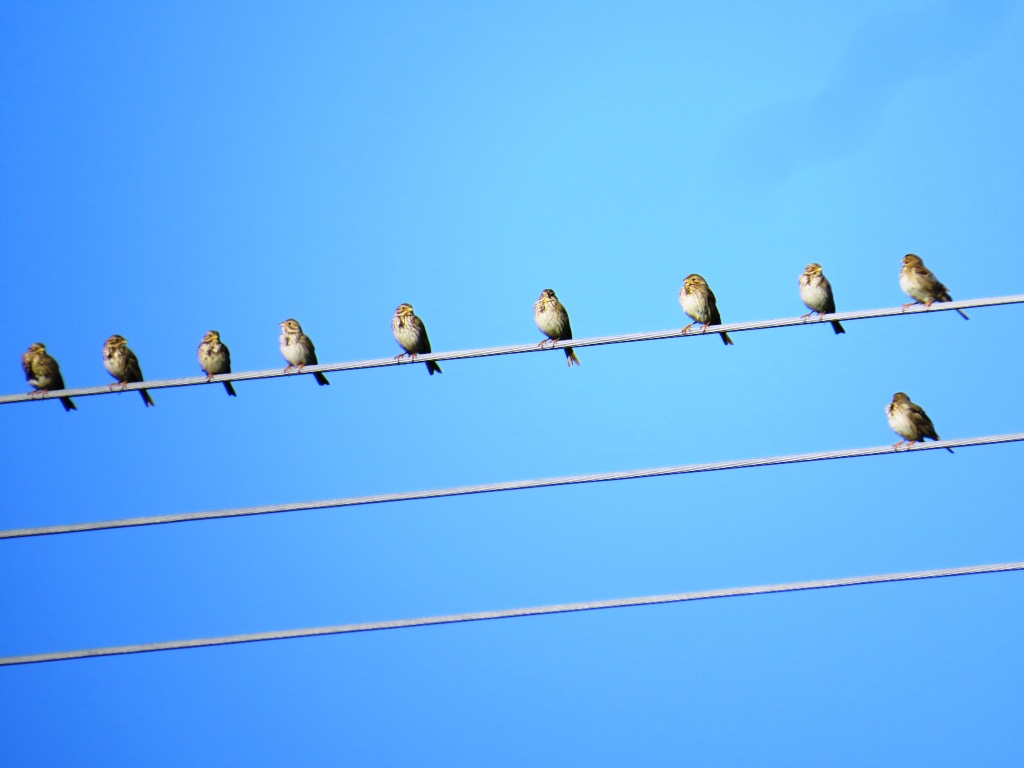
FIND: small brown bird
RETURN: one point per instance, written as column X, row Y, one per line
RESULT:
column 298, row 349
column 43, row 373
column 123, row 365
column 214, row 358
column 920, row 284
column 909, row 421
column 411, row 335
column 816, row 293
column 553, row 321
column 697, row 300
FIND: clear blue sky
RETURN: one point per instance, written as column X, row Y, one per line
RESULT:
column 168, row 168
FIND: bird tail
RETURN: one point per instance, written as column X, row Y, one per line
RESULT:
column 321, row 379
column 965, row 317
column 68, row 405
column 725, row 338
column 950, row 450
column 433, row 367
column 146, row 398
column 837, row 327
column 230, row 389
column 571, row 357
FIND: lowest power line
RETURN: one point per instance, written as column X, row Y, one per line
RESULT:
column 174, row 645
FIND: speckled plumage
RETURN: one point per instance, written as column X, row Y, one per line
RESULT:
column 698, row 301
column 909, row 421
column 816, row 293
column 298, row 349
column 43, row 373
column 411, row 335
column 920, row 284
column 215, row 358
column 553, row 320
column 123, row 365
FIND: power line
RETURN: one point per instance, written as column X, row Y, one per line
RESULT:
column 515, row 349
column 515, row 485
column 288, row 634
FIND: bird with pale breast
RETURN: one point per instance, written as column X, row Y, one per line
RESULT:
column 411, row 335
column 908, row 420
column 298, row 349
column 123, row 365
column 921, row 284
column 553, row 320
column 698, row 301
column 816, row 293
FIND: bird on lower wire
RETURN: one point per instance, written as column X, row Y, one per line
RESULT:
column 909, row 421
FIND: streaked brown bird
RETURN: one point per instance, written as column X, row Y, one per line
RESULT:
column 123, row 365
column 553, row 321
column 816, row 293
column 697, row 300
column 920, row 284
column 411, row 335
column 298, row 349
column 909, row 421
column 215, row 358
column 43, row 373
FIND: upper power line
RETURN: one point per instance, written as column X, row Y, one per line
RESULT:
column 520, row 348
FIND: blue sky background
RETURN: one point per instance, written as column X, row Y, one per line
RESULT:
column 168, row 168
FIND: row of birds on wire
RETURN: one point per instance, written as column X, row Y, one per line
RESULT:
column 696, row 298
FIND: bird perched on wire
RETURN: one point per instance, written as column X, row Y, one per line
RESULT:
column 123, row 365
column 215, row 358
column 553, row 321
column 909, row 421
column 43, row 373
column 298, row 349
column 697, row 300
column 816, row 293
column 920, row 284
column 411, row 335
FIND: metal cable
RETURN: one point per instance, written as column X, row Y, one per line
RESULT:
column 515, row 485
column 174, row 645
column 515, row 349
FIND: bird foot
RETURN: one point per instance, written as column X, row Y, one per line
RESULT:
column 686, row 330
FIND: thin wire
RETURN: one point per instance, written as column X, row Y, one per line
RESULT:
column 516, row 349
column 515, row 485
column 174, row 645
